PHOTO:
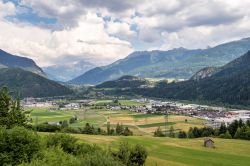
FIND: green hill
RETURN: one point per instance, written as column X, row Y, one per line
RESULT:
column 124, row 82
column 12, row 61
column 177, row 63
column 28, row 84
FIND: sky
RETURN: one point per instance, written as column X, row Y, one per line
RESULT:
column 53, row 32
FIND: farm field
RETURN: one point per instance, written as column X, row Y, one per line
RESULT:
column 122, row 102
column 140, row 124
column 179, row 152
column 41, row 115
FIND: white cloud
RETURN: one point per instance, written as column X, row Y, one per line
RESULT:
column 203, row 36
column 6, row 9
column 84, row 33
column 87, row 41
column 121, row 29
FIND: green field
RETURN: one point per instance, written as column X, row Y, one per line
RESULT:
column 141, row 124
column 122, row 102
column 41, row 115
column 177, row 152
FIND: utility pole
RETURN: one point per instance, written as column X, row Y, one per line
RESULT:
column 108, row 126
column 166, row 121
column 36, row 122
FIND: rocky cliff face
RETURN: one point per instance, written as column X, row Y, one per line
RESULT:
column 204, row 73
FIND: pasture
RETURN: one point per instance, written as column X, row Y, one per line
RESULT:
column 41, row 115
column 179, row 152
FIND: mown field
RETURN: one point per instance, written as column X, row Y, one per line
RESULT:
column 41, row 115
column 181, row 152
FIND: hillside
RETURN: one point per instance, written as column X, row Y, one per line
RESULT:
column 177, row 63
column 12, row 61
column 204, row 73
column 28, row 84
column 124, row 82
column 230, row 84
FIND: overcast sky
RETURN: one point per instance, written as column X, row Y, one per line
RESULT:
column 102, row 31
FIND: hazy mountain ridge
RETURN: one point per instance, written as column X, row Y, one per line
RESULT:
column 28, row 84
column 65, row 72
column 12, row 61
column 177, row 63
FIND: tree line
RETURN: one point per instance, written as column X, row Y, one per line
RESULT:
column 235, row 130
column 87, row 129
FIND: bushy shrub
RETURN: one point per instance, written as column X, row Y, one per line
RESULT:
column 66, row 142
column 138, row 155
column 47, row 128
column 158, row 133
column 17, row 145
column 100, row 158
column 182, row 134
column 131, row 155
column 54, row 157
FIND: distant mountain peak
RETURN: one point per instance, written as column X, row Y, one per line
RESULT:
column 67, row 71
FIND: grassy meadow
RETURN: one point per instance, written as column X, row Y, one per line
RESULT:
column 180, row 152
column 41, row 115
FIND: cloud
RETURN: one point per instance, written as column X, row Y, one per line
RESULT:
column 46, row 47
column 203, row 36
column 175, row 15
column 103, row 31
column 120, row 29
column 7, row 9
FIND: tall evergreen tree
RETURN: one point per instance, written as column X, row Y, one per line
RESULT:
column 11, row 112
column 223, row 129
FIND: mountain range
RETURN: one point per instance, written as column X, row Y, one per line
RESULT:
column 177, row 63
column 68, row 71
column 8, row 60
column 227, row 84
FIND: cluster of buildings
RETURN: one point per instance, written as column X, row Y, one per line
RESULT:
column 214, row 116
column 228, row 118
column 34, row 102
column 54, row 105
